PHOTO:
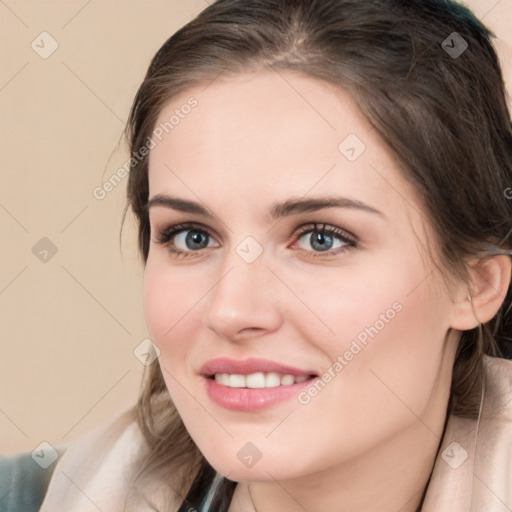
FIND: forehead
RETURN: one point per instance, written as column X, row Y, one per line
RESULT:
column 271, row 135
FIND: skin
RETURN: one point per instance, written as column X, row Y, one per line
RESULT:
column 369, row 439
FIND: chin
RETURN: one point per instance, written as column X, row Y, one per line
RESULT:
column 247, row 463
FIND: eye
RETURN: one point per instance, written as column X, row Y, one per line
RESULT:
column 324, row 240
column 185, row 238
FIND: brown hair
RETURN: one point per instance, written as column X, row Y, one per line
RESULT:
column 443, row 115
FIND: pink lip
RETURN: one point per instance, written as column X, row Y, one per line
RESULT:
column 248, row 366
column 250, row 399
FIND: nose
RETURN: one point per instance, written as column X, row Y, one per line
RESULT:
column 243, row 303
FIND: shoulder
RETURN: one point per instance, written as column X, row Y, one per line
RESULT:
column 499, row 385
column 95, row 472
column 493, row 440
column 473, row 469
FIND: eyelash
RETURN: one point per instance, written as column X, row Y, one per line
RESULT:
column 165, row 236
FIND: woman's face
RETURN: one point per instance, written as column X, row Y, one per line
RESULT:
column 307, row 273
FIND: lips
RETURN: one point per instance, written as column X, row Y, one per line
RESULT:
column 251, row 385
column 249, row 366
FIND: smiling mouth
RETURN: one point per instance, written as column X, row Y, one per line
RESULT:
column 259, row 380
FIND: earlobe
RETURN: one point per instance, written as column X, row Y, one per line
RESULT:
column 484, row 295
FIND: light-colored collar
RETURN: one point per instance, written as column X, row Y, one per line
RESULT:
column 473, row 469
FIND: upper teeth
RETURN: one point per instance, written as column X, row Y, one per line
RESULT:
column 257, row 380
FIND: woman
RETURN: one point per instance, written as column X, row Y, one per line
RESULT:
column 320, row 189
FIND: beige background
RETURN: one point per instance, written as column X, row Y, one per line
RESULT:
column 69, row 325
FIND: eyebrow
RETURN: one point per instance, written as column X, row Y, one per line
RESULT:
column 289, row 207
column 292, row 206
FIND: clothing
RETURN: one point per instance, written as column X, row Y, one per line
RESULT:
column 471, row 473
column 483, row 481
column 215, row 492
column 23, row 482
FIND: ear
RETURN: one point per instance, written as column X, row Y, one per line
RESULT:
column 479, row 300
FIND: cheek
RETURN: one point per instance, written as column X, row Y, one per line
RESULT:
column 170, row 312
column 354, row 301
column 170, row 305
column 402, row 361
column 388, row 326
column 160, row 307
column 409, row 354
